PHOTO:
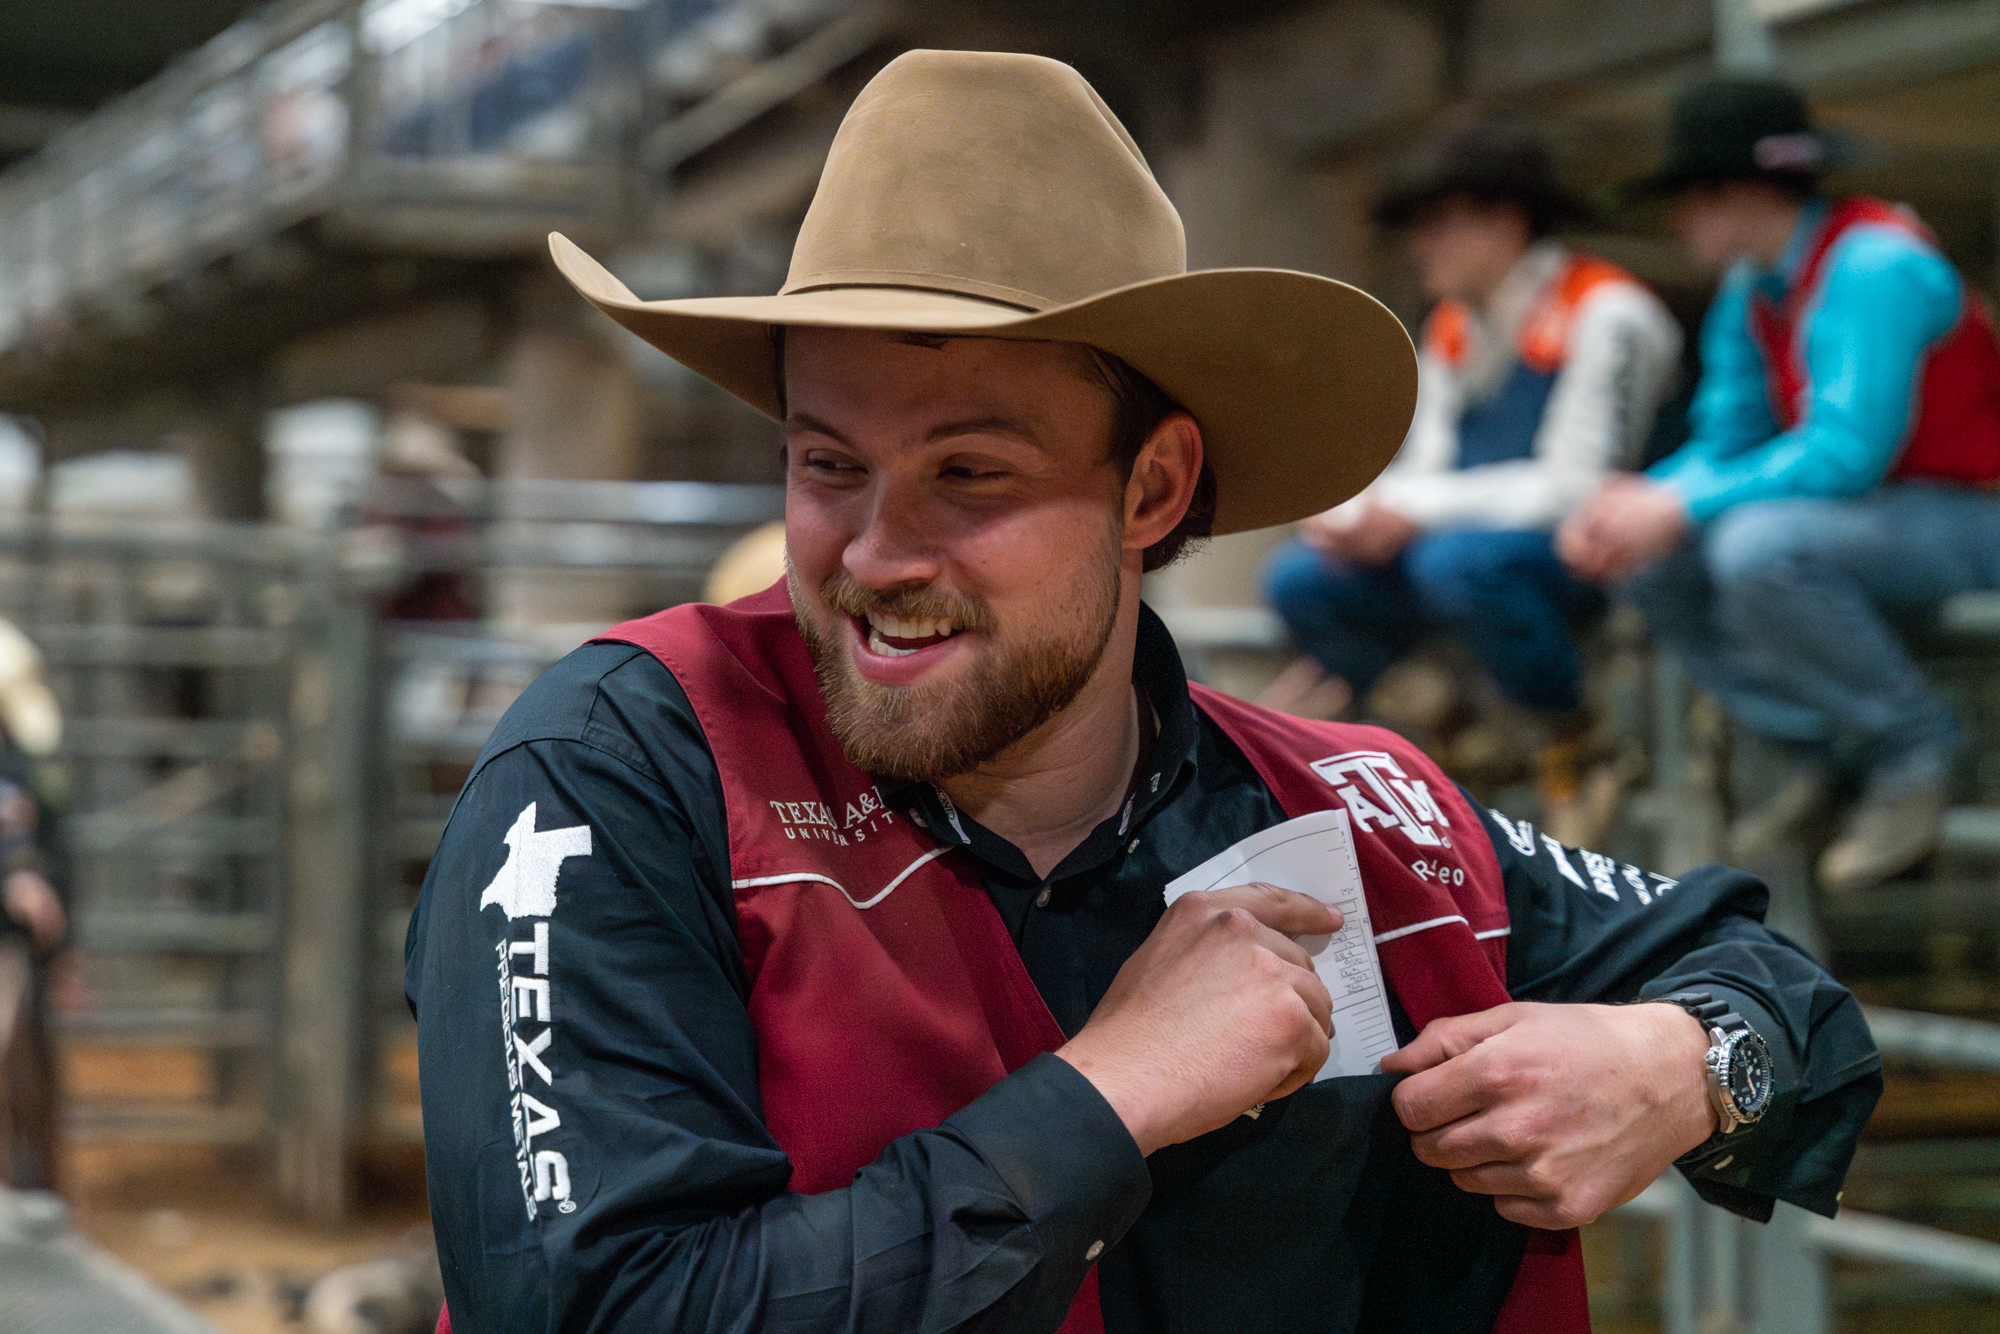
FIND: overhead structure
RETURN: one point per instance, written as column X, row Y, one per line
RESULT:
column 319, row 133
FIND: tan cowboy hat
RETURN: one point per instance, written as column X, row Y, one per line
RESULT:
column 996, row 195
column 28, row 709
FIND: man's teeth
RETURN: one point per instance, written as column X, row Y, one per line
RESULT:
column 895, row 627
column 883, row 627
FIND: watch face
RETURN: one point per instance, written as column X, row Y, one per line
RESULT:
column 1748, row 1076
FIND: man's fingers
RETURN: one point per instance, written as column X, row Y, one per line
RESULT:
column 1466, row 1142
column 1283, row 910
column 1544, row 1214
column 1284, row 947
column 1519, row 1198
column 1316, row 1051
column 1445, row 1038
column 1319, row 1002
column 1500, row 1179
column 1442, row 1087
column 1435, row 1098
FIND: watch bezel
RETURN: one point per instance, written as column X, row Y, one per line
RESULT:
column 1731, row 1050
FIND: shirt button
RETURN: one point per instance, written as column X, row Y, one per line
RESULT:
column 1042, row 899
column 1096, row 1249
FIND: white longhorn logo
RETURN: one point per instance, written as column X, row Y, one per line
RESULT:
column 526, row 883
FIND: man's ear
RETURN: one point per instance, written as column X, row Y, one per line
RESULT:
column 1163, row 480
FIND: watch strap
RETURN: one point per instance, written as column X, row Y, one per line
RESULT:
column 1721, row 1023
column 1711, row 1012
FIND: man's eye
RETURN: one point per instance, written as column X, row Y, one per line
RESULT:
column 831, row 467
column 963, row 472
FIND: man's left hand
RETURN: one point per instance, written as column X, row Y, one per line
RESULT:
column 1560, row 1112
column 1631, row 522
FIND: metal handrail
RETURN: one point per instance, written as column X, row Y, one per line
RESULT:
column 1704, row 1247
column 1935, row 1039
column 313, row 110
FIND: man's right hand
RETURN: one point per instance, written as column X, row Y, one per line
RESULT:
column 1374, row 536
column 1217, row 1011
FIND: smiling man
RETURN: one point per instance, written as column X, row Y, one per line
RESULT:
column 804, row 964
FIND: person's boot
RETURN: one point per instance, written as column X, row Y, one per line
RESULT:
column 1760, row 831
column 1307, row 690
column 1889, row 830
column 1563, row 751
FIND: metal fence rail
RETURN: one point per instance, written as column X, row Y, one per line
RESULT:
column 1720, row 1272
column 259, row 762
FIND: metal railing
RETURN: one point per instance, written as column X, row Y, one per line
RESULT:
column 1721, row 1273
column 253, row 796
column 463, row 128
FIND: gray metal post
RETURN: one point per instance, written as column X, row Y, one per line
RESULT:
column 1687, row 737
column 1758, row 771
column 1742, row 39
column 322, row 1019
column 1788, row 1289
column 1680, row 1303
column 1722, row 1249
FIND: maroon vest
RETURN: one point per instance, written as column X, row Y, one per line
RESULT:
column 884, row 990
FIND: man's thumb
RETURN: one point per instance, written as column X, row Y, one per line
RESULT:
column 1445, row 1038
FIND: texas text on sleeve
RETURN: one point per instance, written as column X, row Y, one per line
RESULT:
column 598, row 1159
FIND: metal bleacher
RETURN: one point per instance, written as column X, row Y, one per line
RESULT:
column 1930, row 942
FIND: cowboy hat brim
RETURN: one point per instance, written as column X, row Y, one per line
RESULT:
column 1303, row 386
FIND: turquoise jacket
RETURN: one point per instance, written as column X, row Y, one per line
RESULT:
column 1885, row 297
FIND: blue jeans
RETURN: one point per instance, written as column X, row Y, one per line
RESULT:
column 1785, row 610
column 1503, row 594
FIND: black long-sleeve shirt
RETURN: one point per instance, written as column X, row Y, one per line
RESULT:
column 674, row 1214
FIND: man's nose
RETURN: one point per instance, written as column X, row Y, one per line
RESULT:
column 894, row 546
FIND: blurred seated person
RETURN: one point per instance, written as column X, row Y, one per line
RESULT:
column 1540, row 371
column 34, row 921
column 423, row 490
column 1839, row 477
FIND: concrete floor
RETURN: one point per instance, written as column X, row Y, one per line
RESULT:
column 200, row 1222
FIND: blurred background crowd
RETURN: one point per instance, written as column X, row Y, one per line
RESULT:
column 309, row 463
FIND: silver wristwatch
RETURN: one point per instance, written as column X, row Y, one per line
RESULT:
column 1739, row 1063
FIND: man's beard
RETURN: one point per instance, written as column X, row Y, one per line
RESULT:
column 936, row 730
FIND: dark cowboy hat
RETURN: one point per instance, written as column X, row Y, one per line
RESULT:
column 1489, row 161
column 1741, row 129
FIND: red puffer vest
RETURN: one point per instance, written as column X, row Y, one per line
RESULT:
column 884, row 989
column 1955, row 420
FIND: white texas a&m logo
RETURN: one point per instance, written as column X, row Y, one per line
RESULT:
column 826, row 822
column 1378, row 794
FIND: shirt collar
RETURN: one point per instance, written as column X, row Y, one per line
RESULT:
column 1521, row 290
column 1163, row 686
column 1811, row 217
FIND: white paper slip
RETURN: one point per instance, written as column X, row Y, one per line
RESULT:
column 1314, row 855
